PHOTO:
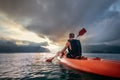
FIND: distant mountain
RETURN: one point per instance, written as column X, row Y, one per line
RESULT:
column 8, row 46
column 101, row 48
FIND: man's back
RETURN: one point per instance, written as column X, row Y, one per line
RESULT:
column 75, row 47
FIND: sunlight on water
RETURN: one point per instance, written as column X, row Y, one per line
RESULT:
column 22, row 65
column 32, row 66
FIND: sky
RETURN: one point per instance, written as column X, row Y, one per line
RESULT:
column 52, row 20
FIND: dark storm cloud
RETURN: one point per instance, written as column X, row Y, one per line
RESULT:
column 107, row 28
column 110, row 23
column 55, row 18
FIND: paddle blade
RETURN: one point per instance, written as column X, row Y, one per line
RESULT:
column 48, row 60
column 82, row 32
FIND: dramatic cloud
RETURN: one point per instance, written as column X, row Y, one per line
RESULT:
column 107, row 28
column 56, row 18
column 11, row 29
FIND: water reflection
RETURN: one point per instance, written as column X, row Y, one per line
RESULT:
column 32, row 66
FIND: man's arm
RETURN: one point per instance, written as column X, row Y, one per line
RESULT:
column 64, row 49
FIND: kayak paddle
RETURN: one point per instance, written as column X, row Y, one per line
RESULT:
column 80, row 33
column 50, row 59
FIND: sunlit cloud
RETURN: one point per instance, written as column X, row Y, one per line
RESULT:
column 25, row 21
column 16, row 31
column 21, row 43
column 9, row 28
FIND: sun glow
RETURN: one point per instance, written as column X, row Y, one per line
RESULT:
column 53, row 48
column 30, row 36
column 21, row 43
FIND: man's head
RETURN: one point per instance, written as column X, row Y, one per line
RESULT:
column 71, row 35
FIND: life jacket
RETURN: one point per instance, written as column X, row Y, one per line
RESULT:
column 75, row 47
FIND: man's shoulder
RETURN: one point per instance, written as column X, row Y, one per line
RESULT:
column 73, row 40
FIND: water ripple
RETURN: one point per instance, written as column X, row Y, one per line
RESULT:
column 33, row 67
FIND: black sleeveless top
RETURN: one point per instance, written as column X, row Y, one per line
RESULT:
column 76, row 48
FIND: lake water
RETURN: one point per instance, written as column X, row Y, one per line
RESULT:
column 32, row 66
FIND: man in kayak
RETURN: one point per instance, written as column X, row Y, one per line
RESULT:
column 74, row 47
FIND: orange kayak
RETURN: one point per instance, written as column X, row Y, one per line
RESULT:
column 93, row 65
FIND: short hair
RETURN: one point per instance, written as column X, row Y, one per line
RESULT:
column 71, row 35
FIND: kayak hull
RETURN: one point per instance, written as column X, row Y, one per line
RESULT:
column 93, row 65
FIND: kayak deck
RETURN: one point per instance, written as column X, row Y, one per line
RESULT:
column 93, row 65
